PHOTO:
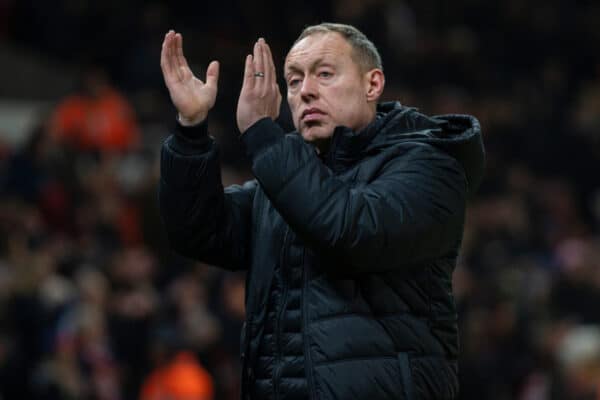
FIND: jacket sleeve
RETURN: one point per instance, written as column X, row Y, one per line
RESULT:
column 203, row 221
column 411, row 212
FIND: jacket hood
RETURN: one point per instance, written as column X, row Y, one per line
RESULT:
column 456, row 134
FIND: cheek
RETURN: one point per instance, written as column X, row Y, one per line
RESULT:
column 346, row 99
column 348, row 107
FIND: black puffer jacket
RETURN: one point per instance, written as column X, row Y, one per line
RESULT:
column 349, row 256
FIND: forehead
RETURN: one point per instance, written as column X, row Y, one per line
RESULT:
column 330, row 45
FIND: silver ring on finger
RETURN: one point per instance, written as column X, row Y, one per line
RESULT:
column 259, row 74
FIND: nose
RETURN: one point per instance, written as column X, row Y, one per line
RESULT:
column 309, row 90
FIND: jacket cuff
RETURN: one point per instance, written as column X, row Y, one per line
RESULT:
column 261, row 135
column 189, row 140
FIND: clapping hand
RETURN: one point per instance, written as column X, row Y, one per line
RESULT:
column 260, row 96
column 191, row 97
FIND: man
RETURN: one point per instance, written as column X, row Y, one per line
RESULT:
column 350, row 231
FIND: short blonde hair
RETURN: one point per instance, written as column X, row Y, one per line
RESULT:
column 365, row 52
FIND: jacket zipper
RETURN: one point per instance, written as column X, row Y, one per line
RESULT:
column 278, row 329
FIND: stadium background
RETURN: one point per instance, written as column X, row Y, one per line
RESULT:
column 94, row 305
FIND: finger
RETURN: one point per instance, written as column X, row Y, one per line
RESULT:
column 248, row 73
column 163, row 55
column 165, row 60
column 258, row 63
column 273, row 78
column 171, row 61
column 173, row 52
column 182, row 65
column 212, row 74
column 269, row 65
column 265, row 61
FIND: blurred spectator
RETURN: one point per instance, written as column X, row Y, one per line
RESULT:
column 579, row 360
column 97, row 118
column 182, row 378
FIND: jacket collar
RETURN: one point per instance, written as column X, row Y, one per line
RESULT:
column 345, row 147
column 348, row 146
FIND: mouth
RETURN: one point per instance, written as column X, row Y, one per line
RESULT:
column 311, row 114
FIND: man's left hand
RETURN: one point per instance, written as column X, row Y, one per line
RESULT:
column 260, row 96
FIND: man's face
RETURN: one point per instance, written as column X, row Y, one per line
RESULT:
column 326, row 87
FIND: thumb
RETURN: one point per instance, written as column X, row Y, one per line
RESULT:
column 212, row 74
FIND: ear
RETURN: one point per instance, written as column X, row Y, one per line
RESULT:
column 374, row 81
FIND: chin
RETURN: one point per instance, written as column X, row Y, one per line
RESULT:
column 316, row 133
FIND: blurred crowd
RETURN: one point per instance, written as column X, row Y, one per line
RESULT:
column 95, row 305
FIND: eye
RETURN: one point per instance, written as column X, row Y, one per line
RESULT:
column 293, row 82
column 325, row 74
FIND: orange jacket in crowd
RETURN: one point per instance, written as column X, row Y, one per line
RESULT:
column 106, row 122
column 181, row 379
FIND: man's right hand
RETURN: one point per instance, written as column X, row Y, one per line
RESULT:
column 192, row 97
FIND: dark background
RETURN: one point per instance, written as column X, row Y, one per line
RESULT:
column 92, row 301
